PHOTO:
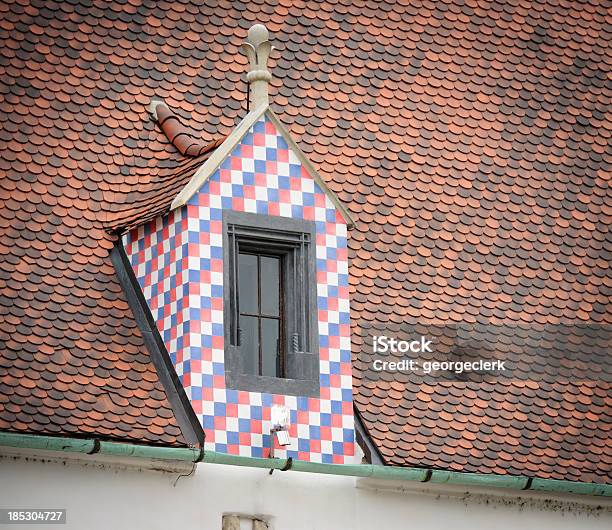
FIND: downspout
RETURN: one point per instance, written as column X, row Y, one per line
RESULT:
column 422, row 475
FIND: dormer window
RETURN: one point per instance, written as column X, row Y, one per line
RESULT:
column 280, row 273
column 270, row 304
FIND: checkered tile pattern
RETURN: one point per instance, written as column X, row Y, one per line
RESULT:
column 178, row 261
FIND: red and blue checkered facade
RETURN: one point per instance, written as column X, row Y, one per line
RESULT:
column 178, row 261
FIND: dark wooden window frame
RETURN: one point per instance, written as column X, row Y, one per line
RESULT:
column 294, row 240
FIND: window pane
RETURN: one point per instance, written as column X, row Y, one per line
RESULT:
column 270, row 285
column 270, row 347
column 249, row 345
column 247, row 283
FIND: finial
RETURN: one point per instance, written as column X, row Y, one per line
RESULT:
column 257, row 49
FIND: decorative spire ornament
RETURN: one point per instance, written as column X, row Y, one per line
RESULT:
column 257, row 49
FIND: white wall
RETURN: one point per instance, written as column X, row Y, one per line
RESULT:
column 99, row 496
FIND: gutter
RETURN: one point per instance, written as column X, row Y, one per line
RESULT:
column 412, row 474
column 91, row 446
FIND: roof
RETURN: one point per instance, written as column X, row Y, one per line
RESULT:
column 469, row 143
column 72, row 359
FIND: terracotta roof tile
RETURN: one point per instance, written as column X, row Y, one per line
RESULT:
column 473, row 152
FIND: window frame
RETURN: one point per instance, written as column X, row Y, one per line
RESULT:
column 295, row 239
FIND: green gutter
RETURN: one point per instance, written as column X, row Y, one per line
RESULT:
column 478, row 479
column 347, row 470
column 94, row 446
column 563, row 486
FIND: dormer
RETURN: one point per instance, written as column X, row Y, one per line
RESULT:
column 246, row 279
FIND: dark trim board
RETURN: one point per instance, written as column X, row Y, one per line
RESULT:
column 303, row 373
column 371, row 452
column 181, row 406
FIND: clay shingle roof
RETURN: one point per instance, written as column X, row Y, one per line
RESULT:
column 471, row 143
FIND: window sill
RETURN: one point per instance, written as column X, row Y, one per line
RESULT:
column 272, row 385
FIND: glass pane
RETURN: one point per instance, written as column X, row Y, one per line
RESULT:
column 270, row 347
column 270, row 285
column 247, row 283
column 249, row 345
